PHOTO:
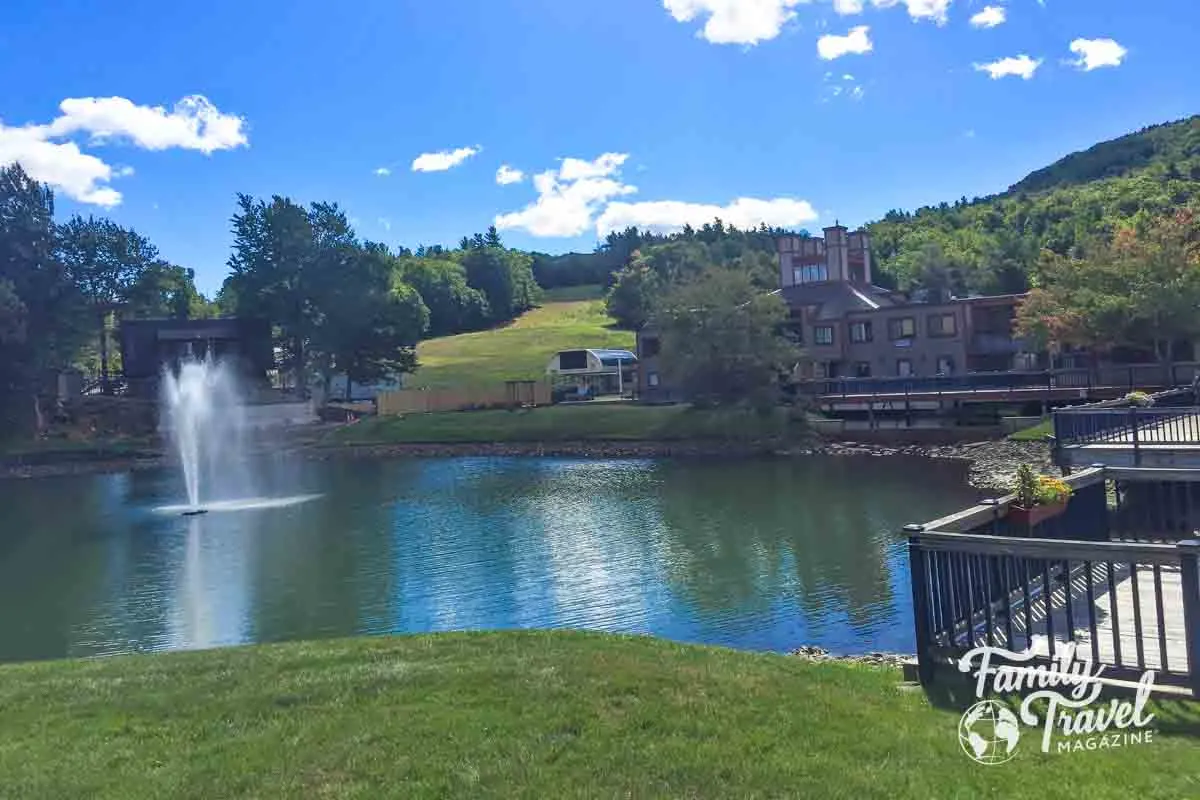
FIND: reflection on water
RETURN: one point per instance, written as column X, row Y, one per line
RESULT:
column 757, row 554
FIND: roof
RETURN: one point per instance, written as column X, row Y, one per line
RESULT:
column 835, row 299
column 602, row 354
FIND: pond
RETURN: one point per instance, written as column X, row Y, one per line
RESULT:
column 759, row 554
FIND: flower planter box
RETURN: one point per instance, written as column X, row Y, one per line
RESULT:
column 1032, row 516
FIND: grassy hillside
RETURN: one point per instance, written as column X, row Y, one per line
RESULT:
column 569, row 318
column 522, row 714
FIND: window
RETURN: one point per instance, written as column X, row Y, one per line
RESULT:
column 572, row 359
column 902, row 328
column 823, row 334
column 904, row 367
column 945, row 365
column 862, row 369
column 810, row 273
column 860, row 331
column 942, row 325
column 651, row 347
column 652, row 379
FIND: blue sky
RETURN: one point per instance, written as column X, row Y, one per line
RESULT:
column 650, row 111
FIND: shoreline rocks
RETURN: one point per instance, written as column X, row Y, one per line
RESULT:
column 992, row 464
column 813, row 653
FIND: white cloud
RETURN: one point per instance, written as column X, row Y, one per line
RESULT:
column 193, row 124
column 385, row 223
column 580, row 194
column 569, row 197
column 857, row 41
column 848, row 6
column 78, row 175
column 736, row 21
column 989, row 17
column 936, row 10
column 671, row 215
column 1097, row 53
column 443, row 159
column 383, row 172
column 506, row 175
column 1021, row 66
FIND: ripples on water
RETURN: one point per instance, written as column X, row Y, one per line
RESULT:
column 754, row 554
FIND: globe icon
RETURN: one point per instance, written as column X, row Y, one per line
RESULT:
column 988, row 732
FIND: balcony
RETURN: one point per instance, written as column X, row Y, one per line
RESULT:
column 986, row 343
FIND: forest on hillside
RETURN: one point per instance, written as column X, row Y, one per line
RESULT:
column 993, row 245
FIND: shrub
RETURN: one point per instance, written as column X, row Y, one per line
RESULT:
column 1139, row 398
column 1032, row 489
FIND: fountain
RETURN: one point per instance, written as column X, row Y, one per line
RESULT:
column 204, row 412
column 205, row 415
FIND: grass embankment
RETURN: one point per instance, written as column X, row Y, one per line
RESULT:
column 1037, row 433
column 519, row 714
column 573, row 317
column 66, row 449
column 588, row 421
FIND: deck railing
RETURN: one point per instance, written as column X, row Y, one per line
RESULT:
column 1131, row 426
column 1128, row 377
column 1116, row 575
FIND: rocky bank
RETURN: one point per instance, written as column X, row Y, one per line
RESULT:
column 812, row 653
column 992, row 463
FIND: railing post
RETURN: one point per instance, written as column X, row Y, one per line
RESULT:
column 919, row 578
column 1189, row 562
column 1137, row 453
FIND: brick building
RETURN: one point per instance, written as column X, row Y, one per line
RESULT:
column 849, row 327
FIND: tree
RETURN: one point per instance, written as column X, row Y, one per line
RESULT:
column 1141, row 290
column 454, row 307
column 274, row 252
column 104, row 261
column 632, row 299
column 42, row 309
column 371, row 320
column 505, row 278
column 722, row 340
column 492, row 237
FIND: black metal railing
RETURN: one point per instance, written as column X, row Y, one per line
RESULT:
column 968, row 382
column 1115, row 574
column 1133, row 426
column 1128, row 606
column 1128, row 377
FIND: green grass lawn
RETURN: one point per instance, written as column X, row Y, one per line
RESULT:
column 1037, row 433
column 561, row 294
column 588, row 421
column 114, row 446
column 573, row 317
column 520, row 714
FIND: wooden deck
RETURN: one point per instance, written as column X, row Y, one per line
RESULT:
column 1123, row 636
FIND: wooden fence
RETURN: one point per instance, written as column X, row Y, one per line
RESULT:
column 513, row 394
